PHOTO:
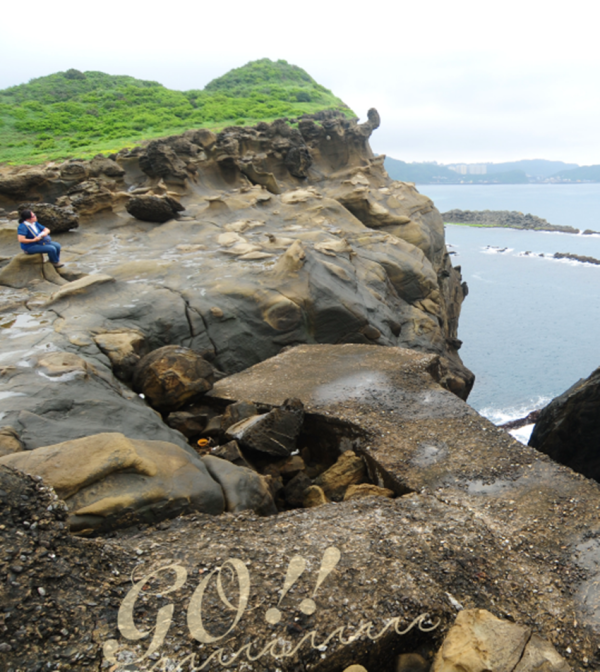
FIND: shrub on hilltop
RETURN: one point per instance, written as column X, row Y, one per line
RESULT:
column 85, row 113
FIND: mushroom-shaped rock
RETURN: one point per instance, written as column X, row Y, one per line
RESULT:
column 57, row 219
column 25, row 269
column 243, row 488
column 110, row 481
column 158, row 209
column 274, row 433
column 172, row 375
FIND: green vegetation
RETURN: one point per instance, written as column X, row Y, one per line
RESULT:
column 81, row 114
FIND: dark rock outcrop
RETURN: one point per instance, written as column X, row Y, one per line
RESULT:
column 503, row 219
column 581, row 258
column 57, row 219
column 159, row 209
column 274, row 433
column 568, row 429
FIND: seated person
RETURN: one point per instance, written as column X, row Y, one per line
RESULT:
column 35, row 238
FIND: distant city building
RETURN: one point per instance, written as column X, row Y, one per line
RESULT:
column 469, row 168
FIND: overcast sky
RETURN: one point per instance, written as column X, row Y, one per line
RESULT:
column 462, row 81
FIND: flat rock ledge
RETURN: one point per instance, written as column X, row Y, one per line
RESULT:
column 479, row 522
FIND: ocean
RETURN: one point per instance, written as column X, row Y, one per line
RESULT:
column 530, row 325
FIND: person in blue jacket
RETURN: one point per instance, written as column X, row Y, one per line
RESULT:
column 35, row 238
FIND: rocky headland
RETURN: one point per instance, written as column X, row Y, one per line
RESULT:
column 505, row 219
column 235, row 430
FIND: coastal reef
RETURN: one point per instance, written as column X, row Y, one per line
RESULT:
column 234, row 429
column 509, row 219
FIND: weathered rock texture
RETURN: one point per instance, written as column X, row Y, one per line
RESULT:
column 289, row 235
column 481, row 522
column 109, row 481
column 568, row 429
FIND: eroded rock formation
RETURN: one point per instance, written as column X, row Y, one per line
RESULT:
column 415, row 506
column 289, row 235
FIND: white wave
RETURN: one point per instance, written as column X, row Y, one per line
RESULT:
column 500, row 416
column 492, row 249
column 522, row 434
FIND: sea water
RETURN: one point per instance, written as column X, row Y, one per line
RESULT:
column 530, row 325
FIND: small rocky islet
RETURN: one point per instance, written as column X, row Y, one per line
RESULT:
column 235, row 430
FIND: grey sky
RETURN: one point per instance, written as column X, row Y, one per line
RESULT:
column 453, row 81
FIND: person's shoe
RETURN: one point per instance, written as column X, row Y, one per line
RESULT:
column 59, row 265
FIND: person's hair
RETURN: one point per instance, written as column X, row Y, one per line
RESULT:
column 25, row 214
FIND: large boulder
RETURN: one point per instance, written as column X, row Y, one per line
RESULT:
column 159, row 209
column 568, row 429
column 479, row 641
column 110, row 481
column 170, row 376
column 55, row 218
column 243, row 488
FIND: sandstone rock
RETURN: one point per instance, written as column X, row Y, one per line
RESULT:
column 110, row 481
column 541, row 656
column 161, row 160
column 479, row 641
column 313, row 496
column 348, row 470
column 123, row 348
column 93, row 196
column 170, row 376
column 22, row 183
column 84, row 285
column 9, row 441
column 55, row 218
column 274, row 433
column 27, row 269
column 366, row 490
column 568, row 429
column 159, row 209
column 243, row 488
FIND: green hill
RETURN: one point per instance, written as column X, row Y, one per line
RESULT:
column 81, row 114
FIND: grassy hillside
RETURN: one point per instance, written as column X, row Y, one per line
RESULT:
column 81, row 114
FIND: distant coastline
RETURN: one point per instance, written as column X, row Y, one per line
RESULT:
column 534, row 171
